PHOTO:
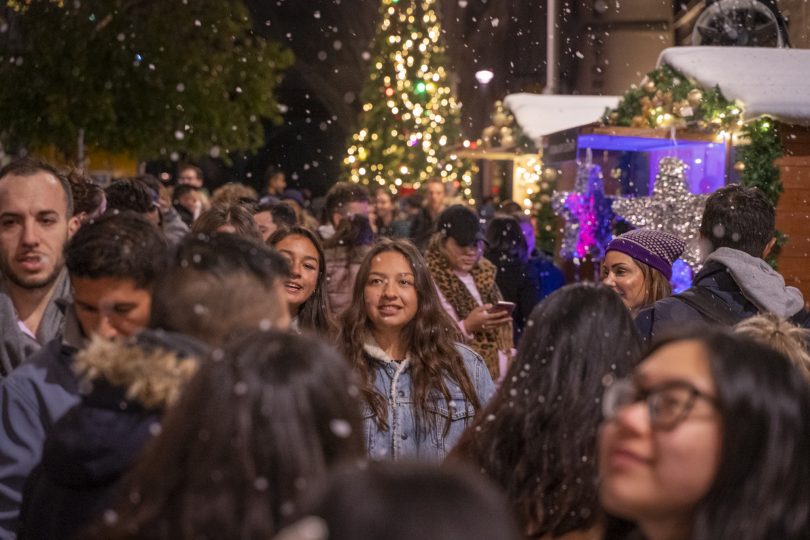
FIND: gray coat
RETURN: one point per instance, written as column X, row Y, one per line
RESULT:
column 15, row 345
column 32, row 398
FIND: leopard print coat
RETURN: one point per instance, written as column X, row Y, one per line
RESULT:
column 486, row 342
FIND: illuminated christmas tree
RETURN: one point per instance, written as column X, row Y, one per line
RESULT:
column 410, row 125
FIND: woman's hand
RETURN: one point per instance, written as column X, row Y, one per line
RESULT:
column 481, row 318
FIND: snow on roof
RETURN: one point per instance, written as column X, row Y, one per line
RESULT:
column 765, row 80
column 540, row 114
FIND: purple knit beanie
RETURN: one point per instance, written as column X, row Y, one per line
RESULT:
column 657, row 249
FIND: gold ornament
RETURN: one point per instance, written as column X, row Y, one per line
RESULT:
column 500, row 119
column 507, row 141
column 638, row 121
column 739, row 166
column 649, row 87
column 695, row 97
column 614, row 117
column 682, row 108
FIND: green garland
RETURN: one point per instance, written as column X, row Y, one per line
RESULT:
column 667, row 98
column 759, row 170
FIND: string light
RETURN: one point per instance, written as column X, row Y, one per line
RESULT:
column 410, row 116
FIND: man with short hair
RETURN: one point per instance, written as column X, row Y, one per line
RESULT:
column 36, row 208
column 270, row 217
column 735, row 282
column 133, row 195
column 187, row 203
column 190, row 175
column 276, row 182
column 424, row 223
column 213, row 290
column 219, row 286
column 113, row 263
column 343, row 200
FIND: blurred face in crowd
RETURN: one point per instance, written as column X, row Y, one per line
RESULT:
column 34, row 227
column 621, row 273
column 383, row 206
column 264, row 220
column 190, row 177
column 390, row 294
column 110, row 307
column 658, row 457
column 435, row 196
column 189, row 201
column 304, row 267
column 462, row 258
column 350, row 209
column 277, row 183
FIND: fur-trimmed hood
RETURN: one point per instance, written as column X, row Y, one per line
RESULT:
column 373, row 349
column 151, row 368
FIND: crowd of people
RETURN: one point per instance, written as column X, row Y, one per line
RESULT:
column 179, row 364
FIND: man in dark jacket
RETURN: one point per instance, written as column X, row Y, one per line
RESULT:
column 424, row 223
column 213, row 289
column 36, row 209
column 112, row 264
column 735, row 282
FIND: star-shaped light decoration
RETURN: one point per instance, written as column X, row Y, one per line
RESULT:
column 671, row 208
column 587, row 215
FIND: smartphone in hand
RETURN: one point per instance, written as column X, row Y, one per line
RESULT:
column 507, row 307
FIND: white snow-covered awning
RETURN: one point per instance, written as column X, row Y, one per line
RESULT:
column 540, row 114
column 768, row 81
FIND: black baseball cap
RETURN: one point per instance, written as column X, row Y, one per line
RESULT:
column 461, row 224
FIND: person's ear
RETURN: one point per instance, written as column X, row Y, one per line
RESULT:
column 768, row 248
column 73, row 225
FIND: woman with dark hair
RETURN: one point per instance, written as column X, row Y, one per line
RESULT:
column 261, row 423
column 412, row 501
column 420, row 386
column 708, row 440
column 387, row 222
column 232, row 219
column 306, row 291
column 467, row 288
column 344, row 251
column 508, row 250
column 537, row 437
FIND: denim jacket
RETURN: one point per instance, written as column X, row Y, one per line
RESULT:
column 402, row 440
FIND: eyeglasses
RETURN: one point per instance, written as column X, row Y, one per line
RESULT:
column 669, row 402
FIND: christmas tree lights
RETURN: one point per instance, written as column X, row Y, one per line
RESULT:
column 409, row 124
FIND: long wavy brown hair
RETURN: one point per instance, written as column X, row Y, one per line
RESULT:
column 431, row 337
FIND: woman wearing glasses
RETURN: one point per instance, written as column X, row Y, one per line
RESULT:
column 708, row 440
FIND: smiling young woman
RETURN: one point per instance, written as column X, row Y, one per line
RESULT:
column 708, row 440
column 306, row 292
column 638, row 266
column 420, row 386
